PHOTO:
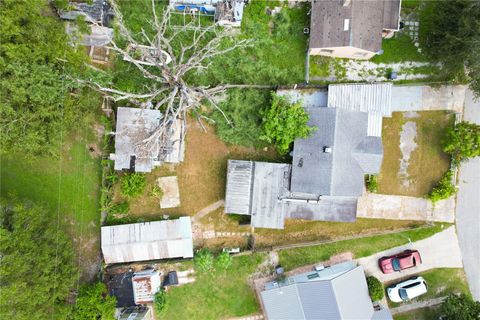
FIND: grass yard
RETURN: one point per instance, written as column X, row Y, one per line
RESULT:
column 201, row 176
column 427, row 161
column 217, row 294
column 362, row 247
column 400, row 48
column 70, row 186
column 441, row 282
column 431, row 313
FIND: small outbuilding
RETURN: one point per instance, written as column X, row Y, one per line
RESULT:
column 147, row 241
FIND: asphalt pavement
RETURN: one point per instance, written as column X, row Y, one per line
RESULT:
column 468, row 206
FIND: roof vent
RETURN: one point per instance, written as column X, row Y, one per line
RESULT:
column 327, row 149
column 346, row 3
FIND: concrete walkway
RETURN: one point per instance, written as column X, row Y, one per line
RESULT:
column 439, row 251
column 468, row 206
column 382, row 206
column 417, row 305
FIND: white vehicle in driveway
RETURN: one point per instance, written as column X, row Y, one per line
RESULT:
column 407, row 290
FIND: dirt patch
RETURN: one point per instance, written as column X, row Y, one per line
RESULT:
column 407, row 146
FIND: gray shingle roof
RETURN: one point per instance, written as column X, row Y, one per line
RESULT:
column 367, row 20
column 345, row 296
column 340, row 172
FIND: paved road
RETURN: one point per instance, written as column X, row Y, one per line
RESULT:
column 439, row 251
column 468, row 207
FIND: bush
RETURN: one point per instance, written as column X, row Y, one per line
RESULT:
column 284, row 122
column 120, row 208
column 223, row 261
column 156, row 192
column 371, row 183
column 161, row 301
column 444, row 188
column 93, row 302
column 463, row 141
column 203, row 260
column 133, row 184
column 375, row 288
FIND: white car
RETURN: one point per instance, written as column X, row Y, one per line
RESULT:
column 407, row 290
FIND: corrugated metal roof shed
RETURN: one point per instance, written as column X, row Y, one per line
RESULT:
column 239, row 187
column 147, row 241
column 145, row 285
column 363, row 97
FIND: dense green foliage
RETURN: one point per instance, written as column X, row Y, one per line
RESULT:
column 36, row 63
column 460, row 307
column 93, row 302
column 444, row 189
column 450, row 34
column 371, row 183
column 242, row 108
column 203, row 260
column 223, row 261
column 463, row 141
column 37, row 267
column 283, row 122
column 132, row 184
column 161, row 301
column 375, row 288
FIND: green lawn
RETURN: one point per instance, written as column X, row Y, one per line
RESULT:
column 218, row 294
column 427, row 162
column 441, row 282
column 419, row 314
column 362, row 247
column 70, row 186
column 400, row 48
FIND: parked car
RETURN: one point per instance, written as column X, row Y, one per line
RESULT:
column 401, row 261
column 407, row 290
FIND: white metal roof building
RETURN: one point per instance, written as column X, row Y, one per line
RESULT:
column 372, row 98
column 147, row 241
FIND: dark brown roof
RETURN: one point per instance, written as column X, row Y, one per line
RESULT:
column 367, row 20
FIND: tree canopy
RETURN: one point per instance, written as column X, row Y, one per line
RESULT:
column 450, row 34
column 93, row 302
column 35, row 57
column 37, row 268
column 463, row 141
column 460, row 307
column 283, row 122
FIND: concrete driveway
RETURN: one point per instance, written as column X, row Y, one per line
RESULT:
column 468, row 206
column 439, row 251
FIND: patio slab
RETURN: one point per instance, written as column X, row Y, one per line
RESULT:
column 171, row 194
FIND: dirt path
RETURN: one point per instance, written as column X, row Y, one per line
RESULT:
column 417, row 305
column 202, row 213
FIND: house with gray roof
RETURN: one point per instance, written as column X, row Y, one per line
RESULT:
column 134, row 126
column 352, row 28
column 336, row 292
column 327, row 172
column 147, row 241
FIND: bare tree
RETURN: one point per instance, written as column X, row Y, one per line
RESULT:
column 166, row 68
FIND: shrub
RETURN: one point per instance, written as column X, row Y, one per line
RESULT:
column 223, row 261
column 463, row 141
column 375, row 288
column 444, row 188
column 120, row 208
column 94, row 302
column 161, row 301
column 156, row 192
column 371, row 183
column 203, row 260
column 133, row 184
column 284, row 122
